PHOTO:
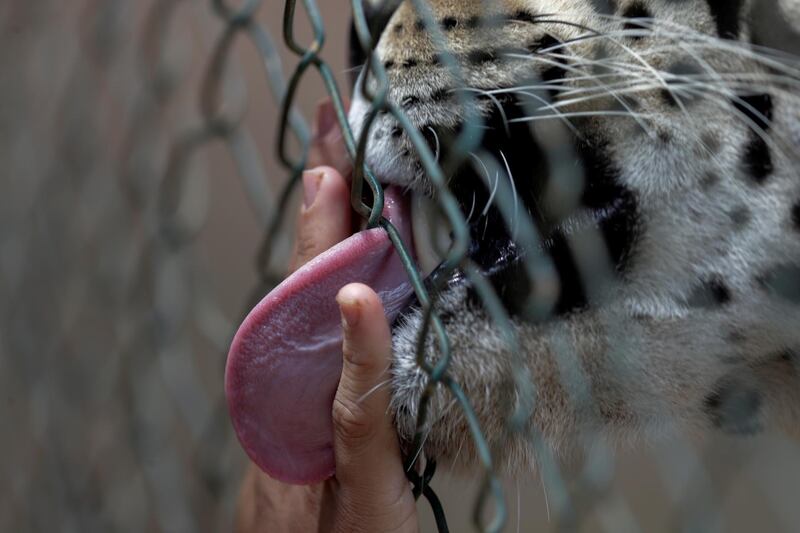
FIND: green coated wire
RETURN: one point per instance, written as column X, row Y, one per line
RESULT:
column 456, row 255
column 216, row 125
column 375, row 88
column 433, row 356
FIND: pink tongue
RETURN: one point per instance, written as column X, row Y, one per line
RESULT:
column 284, row 363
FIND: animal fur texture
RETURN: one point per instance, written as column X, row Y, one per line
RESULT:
column 684, row 131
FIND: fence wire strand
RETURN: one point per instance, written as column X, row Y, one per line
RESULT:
column 113, row 336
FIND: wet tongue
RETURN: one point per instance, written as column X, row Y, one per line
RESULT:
column 284, row 363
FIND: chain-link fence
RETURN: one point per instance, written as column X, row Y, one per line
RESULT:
column 145, row 206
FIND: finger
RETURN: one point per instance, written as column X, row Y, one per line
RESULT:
column 327, row 144
column 361, row 416
column 369, row 467
column 325, row 216
column 265, row 505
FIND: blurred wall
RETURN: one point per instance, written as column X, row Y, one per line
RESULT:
column 127, row 251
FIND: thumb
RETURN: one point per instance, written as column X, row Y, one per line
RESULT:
column 369, row 467
column 325, row 217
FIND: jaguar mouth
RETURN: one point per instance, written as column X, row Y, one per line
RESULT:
column 285, row 360
column 498, row 185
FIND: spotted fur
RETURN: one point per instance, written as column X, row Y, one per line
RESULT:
column 686, row 135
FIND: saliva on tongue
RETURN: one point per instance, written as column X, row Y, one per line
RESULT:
column 285, row 360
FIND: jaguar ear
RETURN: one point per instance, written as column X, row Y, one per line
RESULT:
column 377, row 13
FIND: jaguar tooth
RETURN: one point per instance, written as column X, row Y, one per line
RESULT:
column 431, row 233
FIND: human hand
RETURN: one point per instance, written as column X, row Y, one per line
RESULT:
column 370, row 491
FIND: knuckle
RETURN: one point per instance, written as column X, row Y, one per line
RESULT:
column 306, row 246
column 360, row 362
column 351, row 423
column 404, row 520
column 393, row 512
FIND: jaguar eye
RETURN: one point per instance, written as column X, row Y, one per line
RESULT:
column 377, row 13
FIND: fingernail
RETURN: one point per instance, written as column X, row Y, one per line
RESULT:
column 325, row 119
column 350, row 309
column 312, row 179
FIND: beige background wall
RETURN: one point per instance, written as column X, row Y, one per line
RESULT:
column 113, row 334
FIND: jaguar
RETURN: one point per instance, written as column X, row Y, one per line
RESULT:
column 654, row 145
